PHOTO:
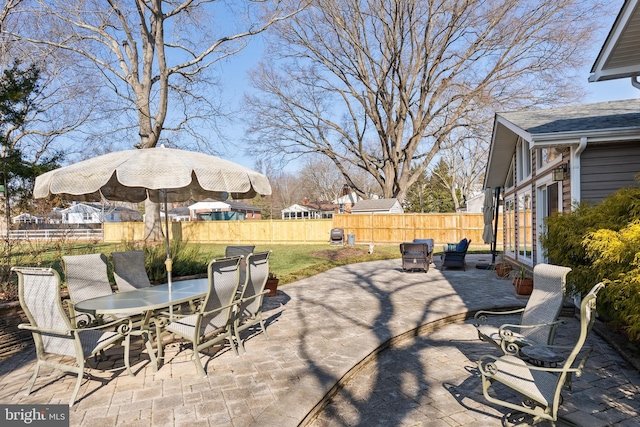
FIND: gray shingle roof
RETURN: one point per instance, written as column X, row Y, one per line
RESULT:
column 374, row 205
column 602, row 115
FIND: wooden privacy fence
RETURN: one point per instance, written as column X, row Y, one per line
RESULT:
column 368, row 228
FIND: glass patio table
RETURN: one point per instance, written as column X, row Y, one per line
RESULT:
column 147, row 301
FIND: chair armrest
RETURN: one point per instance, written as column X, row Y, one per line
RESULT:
column 215, row 310
column 507, row 327
column 481, row 315
column 243, row 300
column 124, row 325
column 28, row 327
column 487, row 366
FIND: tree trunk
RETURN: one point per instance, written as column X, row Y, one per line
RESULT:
column 152, row 222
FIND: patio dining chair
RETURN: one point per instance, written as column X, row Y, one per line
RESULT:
column 539, row 318
column 213, row 322
column 538, row 388
column 54, row 333
column 248, row 311
column 243, row 251
column 129, row 270
column 86, row 277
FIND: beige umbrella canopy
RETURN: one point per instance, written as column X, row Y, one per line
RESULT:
column 160, row 174
column 135, row 175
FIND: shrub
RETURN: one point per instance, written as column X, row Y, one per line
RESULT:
column 617, row 256
column 601, row 243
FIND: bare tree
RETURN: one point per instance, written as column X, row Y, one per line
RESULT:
column 320, row 179
column 155, row 56
column 384, row 85
column 466, row 161
column 62, row 101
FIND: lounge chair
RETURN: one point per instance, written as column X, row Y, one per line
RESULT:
column 213, row 322
column 429, row 243
column 53, row 331
column 129, row 270
column 454, row 255
column 415, row 256
column 248, row 311
column 539, row 318
column 538, row 388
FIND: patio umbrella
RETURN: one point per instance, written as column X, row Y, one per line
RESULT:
column 487, row 211
column 160, row 174
column 487, row 235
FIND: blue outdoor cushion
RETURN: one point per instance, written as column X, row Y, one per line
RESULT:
column 462, row 246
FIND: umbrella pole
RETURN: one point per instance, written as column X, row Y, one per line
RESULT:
column 168, row 263
column 495, row 227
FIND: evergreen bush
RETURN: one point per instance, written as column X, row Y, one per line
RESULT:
column 602, row 243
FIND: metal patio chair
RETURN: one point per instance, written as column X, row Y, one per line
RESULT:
column 539, row 388
column 86, row 277
column 129, row 270
column 243, row 251
column 248, row 311
column 539, row 318
column 213, row 322
column 53, row 332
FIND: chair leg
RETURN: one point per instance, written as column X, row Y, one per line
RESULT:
column 127, row 348
column 33, row 379
column 198, row 362
column 239, row 340
column 76, row 389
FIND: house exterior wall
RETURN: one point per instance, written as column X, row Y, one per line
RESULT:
column 606, row 168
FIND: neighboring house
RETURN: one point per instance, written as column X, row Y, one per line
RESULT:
column 181, row 213
column 344, row 204
column 80, row 213
column 309, row 210
column 381, row 206
column 26, row 218
column 474, row 204
column 210, row 210
column 121, row 214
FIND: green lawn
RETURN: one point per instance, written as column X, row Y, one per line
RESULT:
column 288, row 262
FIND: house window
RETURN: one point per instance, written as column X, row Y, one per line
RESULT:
column 509, row 181
column 525, row 229
column 87, row 216
column 548, row 155
column 523, row 158
column 509, row 226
